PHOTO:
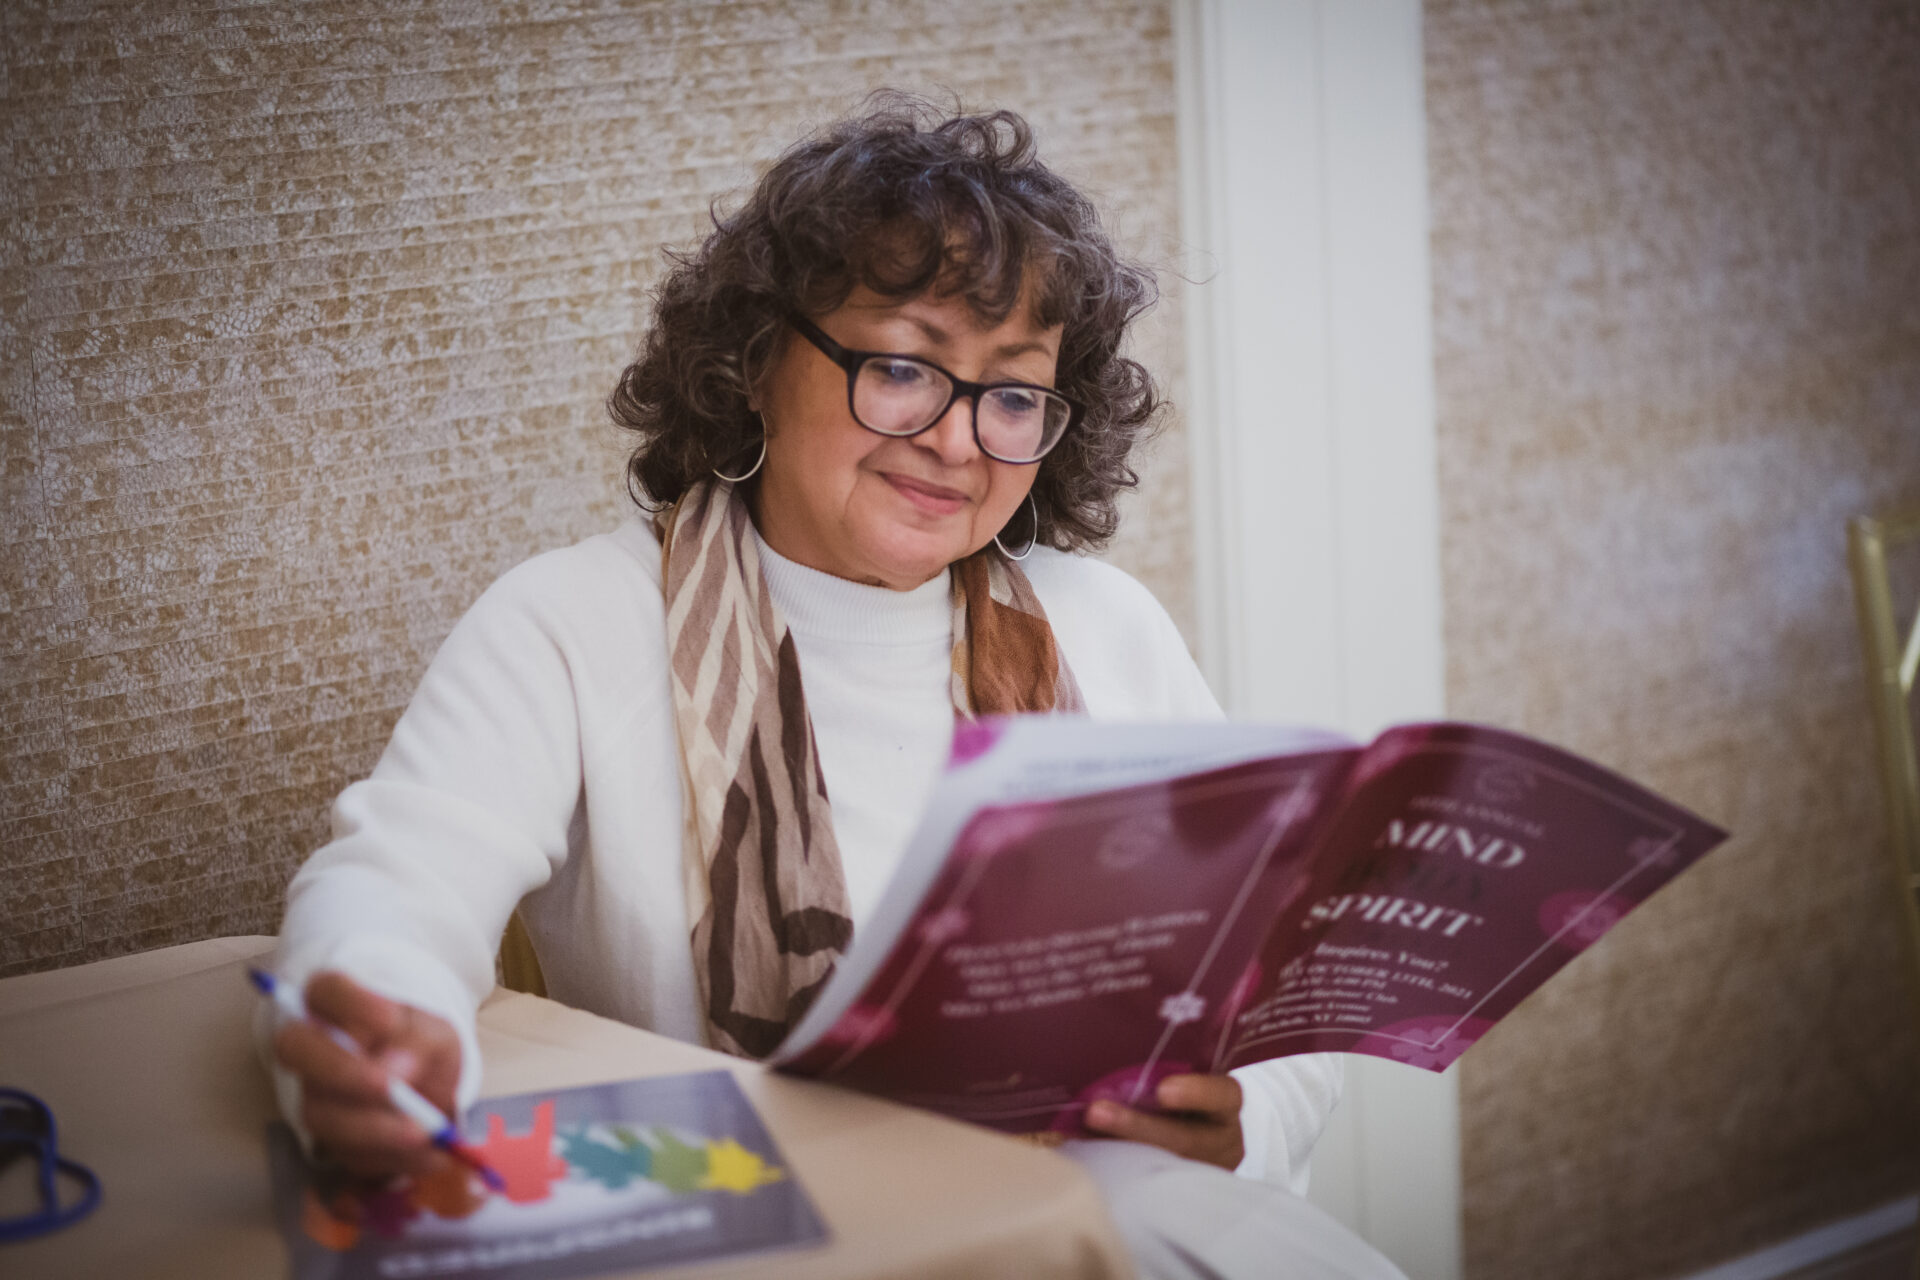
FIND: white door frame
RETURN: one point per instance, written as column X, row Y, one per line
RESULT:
column 1310, row 408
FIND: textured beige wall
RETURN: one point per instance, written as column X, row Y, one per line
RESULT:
column 1677, row 299
column 307, row 312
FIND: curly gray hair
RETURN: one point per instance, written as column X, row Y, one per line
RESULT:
column 903, row 201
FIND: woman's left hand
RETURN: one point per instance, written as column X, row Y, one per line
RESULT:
column 1202, row 1120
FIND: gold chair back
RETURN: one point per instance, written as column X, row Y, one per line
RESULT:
column 1892, row 649
column 519, row 967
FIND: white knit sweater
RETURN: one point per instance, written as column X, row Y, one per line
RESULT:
column 539, row 758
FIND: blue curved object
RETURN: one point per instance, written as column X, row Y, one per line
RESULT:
column 27, row 1129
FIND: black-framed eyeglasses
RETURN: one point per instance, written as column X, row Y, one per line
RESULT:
column 900, row 395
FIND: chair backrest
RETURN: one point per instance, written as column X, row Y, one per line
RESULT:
column 519, row 967
column 1892, row 650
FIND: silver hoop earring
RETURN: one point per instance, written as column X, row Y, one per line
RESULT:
column 1032, row 538
column 752, row 470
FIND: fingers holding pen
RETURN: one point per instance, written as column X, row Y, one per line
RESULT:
column 326, row 1066
column 396, row 1039
column 370, row 1141
column 426, row 1053
column 339, row 1001
column 345, row 1106
column 351, row 1050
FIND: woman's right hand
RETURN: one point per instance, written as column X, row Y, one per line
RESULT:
column 344, row 1095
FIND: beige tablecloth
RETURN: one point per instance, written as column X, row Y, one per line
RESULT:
column 148, row 1065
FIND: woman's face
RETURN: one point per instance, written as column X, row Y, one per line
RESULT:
column 880, row 509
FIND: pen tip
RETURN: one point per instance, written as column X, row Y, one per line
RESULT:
column 260, row 979
column 492, row 1179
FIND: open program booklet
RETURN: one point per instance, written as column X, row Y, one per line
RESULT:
column 1087, row 908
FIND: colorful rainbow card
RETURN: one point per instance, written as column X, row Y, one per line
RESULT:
column 608, row 1177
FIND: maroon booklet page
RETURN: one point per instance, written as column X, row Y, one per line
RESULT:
column 1088, row 908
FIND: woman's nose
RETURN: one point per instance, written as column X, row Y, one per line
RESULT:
column 951, row 438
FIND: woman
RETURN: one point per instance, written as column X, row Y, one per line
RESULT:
column 876, row 413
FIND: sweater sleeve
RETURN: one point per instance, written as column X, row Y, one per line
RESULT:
column 468, row 809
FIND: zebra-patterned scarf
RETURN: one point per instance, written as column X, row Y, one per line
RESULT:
column 763, row 878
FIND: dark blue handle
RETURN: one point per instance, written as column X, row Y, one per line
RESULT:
column 27, row 1128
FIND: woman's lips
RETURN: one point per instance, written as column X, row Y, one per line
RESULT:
column 934, row 499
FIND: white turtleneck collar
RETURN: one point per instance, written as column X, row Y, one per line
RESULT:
column 820, row 606
column 877, row 666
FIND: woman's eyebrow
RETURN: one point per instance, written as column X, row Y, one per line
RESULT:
column 1006, row 351
column 934, row 332
column 1013, row 349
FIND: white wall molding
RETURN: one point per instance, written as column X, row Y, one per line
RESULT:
column 1823, row 1244
column 1310, row 411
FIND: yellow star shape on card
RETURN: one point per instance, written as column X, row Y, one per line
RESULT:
column 731, row 1167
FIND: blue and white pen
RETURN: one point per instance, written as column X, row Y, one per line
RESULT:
column 405, row 1098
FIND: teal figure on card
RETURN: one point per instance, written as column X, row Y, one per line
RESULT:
column 613, row 1167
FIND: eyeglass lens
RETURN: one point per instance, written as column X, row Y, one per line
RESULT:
column 898, row 396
